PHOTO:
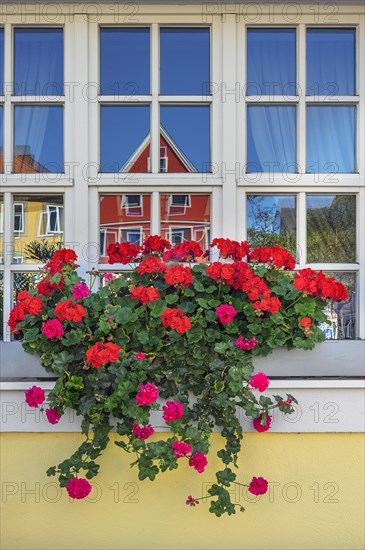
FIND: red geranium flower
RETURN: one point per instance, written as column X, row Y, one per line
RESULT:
column 101, row 354
column 184, row 252
column 145, row 294
column 45, row 287
column 231, row 249
column 178, row 275
column 155, row 243
column 151, row 265
column 175, row 319
column 306, row 322
column 274, row 254
column 60, row 258
column 123, row 253
column 271, row 304
column 69, row 311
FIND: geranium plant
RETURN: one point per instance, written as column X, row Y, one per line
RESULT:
column 174, row 335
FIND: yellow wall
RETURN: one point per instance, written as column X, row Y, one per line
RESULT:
column 316, row 504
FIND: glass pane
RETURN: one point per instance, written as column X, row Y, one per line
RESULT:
column 331, row 61
column 1, row 232
column 271, row 219
column 331, row 228
column 271, row 139
column 271, row 64
column 38, row 66
column 184, row 61
column 342, row 314
column 35, row 239
column 123, row 218
column 186, row 218
column 331, row 139
column 1, row 61
column 38, row 139
column 124, row 61
column 125, row 138
column 185, row 138
column 1, row 140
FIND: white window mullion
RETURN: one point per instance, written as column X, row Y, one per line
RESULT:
column 8, row 254
column 155, row 114
column 301, row 83
column 8, row 88
column 155, row 213
column 301, row 230
column 361, row 259
column 360, row 80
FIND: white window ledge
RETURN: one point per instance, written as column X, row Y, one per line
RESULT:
column 324, row 406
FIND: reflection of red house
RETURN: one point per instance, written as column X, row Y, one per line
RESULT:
column 127, row 217
column 172, row 158
column 23, row 162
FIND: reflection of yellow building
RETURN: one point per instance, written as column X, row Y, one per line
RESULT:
column 38, row 219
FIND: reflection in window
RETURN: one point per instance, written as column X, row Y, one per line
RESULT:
column 186, row 219
column 271, row 65
column 331, row 139
column 184, row 61
column 1, row 139
column 271, row 219
column 1, row 232
column 1, row 304
column 343, row 315
column 38, row 227
column 38, row 139
column 124, row 138
column 271, row 138
column 185, row 137
column 123, row 218
column 331, row 61
column 125, row 61
column 38, row 68
column 1, row 61
column 331, row 228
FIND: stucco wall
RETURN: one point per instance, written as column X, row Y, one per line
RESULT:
column 315, row 500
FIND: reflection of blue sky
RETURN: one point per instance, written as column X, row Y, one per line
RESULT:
column 271, row 138
column 271, row 63
column 38, row 61
column 1, row 60
column 125, row 61
column 331, row 138
column 331, row 61
column 320, row 201
column 122, row 130
column 41, row 130
column 184, row 61
column 273, row 206
column 189, row 127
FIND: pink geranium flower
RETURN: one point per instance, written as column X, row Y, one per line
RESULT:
column 142, row 432
column 246, row 343
column 53, row 416
column 259, row 427
column 78, row 488
column 80, row 291
column 34, row 396
column 53, row 329
column 198, row 461
column 147, row 394
column 173, row 410
column 260, row 381
column 258, row 486
column 226, row 313
column 139, row 356
column 181, row 448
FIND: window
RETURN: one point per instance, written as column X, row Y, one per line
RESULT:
column 18, row 218
column 1, row 61
column 51, row 220
column 1, row 139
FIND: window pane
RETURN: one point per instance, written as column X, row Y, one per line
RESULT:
column 186, row 218
column 34, row 238
column 185, row 138
column 125, row 138
column 1, row 61
column 331, row 228
column 1, row 304
column 271, row 139
column 1, row 232
column 123, row 219
column 271, row 219
column 184, row 61
column 1, row 140
column 331, row 61
column 24, row 281
column 271, row 65
column 38, row 139
column 125, row 61
column 331, row 139
column 342, row 314
column 38, row 62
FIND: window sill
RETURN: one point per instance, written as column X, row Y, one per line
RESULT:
column 324, row 406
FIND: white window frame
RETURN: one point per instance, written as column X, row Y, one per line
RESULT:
column 228, row 183
column 47, row 225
